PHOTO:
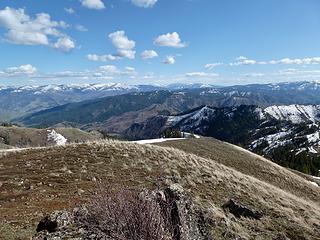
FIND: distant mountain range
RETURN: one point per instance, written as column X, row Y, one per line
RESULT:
column 146, row 99
column 17, row 102
column 22, row 100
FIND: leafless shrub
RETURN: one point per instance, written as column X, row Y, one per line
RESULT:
column 127, row 215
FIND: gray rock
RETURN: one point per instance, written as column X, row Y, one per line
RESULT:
column 239, row 210
column 187, row 220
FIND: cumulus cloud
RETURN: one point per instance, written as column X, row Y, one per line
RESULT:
column 144, row 3
column 22, row 29
column 121, row 41
column 124, row 46
column 65, row 44
column 149, row 54
column 211, row 66
column 101, row 58
column 201, row 74
column 170, row 40
column 22, row 70
column 169, row 60
column 93, row 4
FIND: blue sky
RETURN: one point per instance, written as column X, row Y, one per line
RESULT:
column 159, row 41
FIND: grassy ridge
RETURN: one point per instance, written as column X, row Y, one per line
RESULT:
column 39, row 181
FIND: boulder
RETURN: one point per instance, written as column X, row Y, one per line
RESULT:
column 239, row 210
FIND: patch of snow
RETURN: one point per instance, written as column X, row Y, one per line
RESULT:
column 273, row 140
column 300, row 150
column 315, row 184
column 313, row 138
column 312, row 150
column 190, row 135
column 158, row 140
column 57, row 138
column 295, row 113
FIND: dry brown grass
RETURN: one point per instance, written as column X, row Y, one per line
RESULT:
column 63, row 176
column 30, row 137
column 248, row 163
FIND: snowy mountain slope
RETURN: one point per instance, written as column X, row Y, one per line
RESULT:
column 288, row 134
column 294, row 113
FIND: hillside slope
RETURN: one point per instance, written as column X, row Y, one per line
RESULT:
column 289, row 135
column 245, row 162
column 59, row 177
column 21, row 137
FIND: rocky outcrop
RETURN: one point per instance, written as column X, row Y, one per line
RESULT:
column 240, row 210
column 186, row 220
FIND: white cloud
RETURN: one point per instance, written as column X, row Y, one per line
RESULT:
column 297, row 61
column 211, row 66
column 130, row 69
column 93, row 4
column 65, row 44
column 288, row 72
column 69, row 10
column 109, row 69
column 241, row 58
column 144, row 3
column 149, row 54
column 243, row 61
column 22, row 70
column 126, row 53
column 201, row 74
column 22, row 29
column 123, row 44
column 81, row 28
column 169, row 60
column 252, row 75
column 121, row 41
column 105, row 72
column 101, row 58
column 170, row 40
column 285, row 61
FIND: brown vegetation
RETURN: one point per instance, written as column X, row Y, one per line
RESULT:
column 36, row 182
column 125, row 214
